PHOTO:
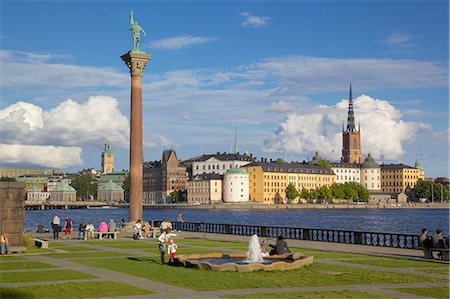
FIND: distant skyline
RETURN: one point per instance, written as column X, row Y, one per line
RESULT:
column 279, row 72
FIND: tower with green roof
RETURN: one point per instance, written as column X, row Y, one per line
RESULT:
column 107, row 159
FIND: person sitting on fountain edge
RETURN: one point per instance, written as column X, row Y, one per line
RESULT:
column 280, row 247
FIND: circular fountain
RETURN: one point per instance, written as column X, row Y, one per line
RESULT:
column 249, row 261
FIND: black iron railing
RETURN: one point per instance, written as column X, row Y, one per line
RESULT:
column 394, row 240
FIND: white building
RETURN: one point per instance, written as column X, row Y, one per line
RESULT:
column 371, row 174
column 346, row 173
column 110, row 193
column 36, row 195
column 235, row 185
column 63, row 192
column 218, row 163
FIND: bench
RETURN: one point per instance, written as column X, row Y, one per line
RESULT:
column 40, row 243
column 101, row 235
column 17, row 249
column 429, row 252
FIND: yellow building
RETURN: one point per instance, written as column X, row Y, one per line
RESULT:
column 396, row 178
column 268, row 181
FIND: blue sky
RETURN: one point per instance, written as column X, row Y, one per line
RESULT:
column 279, row 72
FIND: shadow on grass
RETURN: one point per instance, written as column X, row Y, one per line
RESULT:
column 144, row 259
column 15, row 294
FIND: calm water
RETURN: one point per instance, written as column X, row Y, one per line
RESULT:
column 383, row 220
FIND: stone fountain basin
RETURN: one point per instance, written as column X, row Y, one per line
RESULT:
column 287, row 261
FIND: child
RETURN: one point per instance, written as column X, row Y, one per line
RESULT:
column 172, row 248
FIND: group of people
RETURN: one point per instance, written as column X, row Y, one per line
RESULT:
column 142, row 229
column 280, row 247
column 165, row 240
column 435, row 241
column 85, row 230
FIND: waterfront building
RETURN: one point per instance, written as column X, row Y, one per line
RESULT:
column 351, row 137
column 397, row 178
column 346, row 172
column 37, row 182
column 160, row 178
column 37, row 195
column 442, row 180
column 371, row 174
column 116, row 177
column 217, row 163
column 107, row 159
column 17, row 172
column 63, row 192
column 204, row 188
column 110, row 193
column 235, row 185
column 268, row 180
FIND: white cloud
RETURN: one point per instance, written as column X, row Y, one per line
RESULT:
column 158, row 140
column 398, row 38
column 47, row 156
column 443, row 135
column 383, row 132
column 69, row 124
column 254, row 21
column 180, row 42
column 280, row 107
column 36, row 71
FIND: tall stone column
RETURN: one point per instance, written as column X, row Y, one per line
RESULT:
column 136, row 62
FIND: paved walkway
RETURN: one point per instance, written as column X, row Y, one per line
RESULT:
column 162, row 290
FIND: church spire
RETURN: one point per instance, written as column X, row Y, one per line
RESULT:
column 351, row 115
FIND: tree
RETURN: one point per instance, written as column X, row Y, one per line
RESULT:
column 85, row 186
column 178, row 196
column 126, row 185
column 280, row 161
column 430, row 190
column 291, row 192
column 324, row 164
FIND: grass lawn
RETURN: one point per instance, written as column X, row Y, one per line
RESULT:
column 327, row 254
column 77, row 248
column 141, row 244
column 49, row 275
column 397, row 263
column 443, row 270
column 211, row 243
column 313, row 295
column 316, row 274
column 73, row 290
column 24, row 265
column 11, row 257
column 441, row 292
column 87, row 254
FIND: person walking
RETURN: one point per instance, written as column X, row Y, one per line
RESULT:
column 163, row 240
column 172, row 249
column 56, row 226
column 67, row 228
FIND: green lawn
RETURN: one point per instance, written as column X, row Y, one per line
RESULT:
column 442, row 292
column 442, row 270
column 24, row 265
column 47, row 275
column 313, row 295
column 87, row 254
column 397, row 263
column 73, row 290
column 328, row 254
column 77, row 248
column 317, row 274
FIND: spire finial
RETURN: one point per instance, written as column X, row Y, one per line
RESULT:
column 351, row 116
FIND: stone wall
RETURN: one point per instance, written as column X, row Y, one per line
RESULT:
column 12, row 215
